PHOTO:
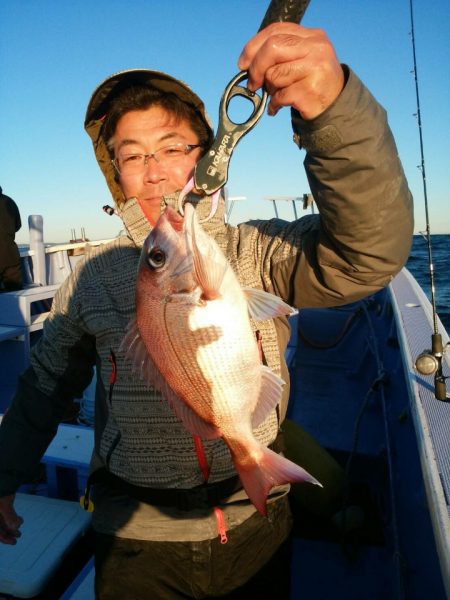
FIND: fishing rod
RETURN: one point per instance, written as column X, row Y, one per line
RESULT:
column 430, row 361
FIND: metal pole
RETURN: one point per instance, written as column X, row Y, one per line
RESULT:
column 36, row 228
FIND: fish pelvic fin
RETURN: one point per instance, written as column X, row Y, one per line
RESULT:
column 263, row 306
column 143, row 365
column 269, row 395
column 266, row 469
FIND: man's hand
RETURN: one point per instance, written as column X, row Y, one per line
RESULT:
column 297, row 66
column 10, row 522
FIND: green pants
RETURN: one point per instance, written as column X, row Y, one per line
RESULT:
column 254, row 563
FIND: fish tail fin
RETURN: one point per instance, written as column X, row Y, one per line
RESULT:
column 266, row 471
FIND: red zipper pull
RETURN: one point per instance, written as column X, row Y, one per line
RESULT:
column 221, row 526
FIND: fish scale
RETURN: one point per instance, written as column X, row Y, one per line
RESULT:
column 214, row 361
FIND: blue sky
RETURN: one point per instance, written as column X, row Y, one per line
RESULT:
column 53, row 53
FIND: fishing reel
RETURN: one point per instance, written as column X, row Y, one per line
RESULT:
column 429, row 362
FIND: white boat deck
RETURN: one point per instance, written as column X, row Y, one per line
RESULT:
column 431, row 416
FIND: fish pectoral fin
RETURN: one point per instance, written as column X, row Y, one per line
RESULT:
column 141, row 362
column 131, row 336
column 263, row 306
column 269, row 395
column 190, row 419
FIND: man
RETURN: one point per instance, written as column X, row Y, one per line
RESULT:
column 10, row 223
column 148, row 131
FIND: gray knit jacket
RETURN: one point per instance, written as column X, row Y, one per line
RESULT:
column 358, row 243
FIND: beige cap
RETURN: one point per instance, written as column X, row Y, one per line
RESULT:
column 113, row 86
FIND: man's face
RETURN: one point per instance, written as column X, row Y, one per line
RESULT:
column 145, row 132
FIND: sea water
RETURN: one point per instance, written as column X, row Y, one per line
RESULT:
column 418, row 266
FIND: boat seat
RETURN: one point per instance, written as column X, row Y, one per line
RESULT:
column 16, row 308
column 51, row 528
column 22, row 312
column 10, row 332
column 67, row 461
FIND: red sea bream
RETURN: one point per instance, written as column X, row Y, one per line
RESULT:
column 192, row 339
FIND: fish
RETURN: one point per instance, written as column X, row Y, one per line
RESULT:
column 192, row 339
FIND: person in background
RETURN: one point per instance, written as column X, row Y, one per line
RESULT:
column 10, row 223
column 154, row 518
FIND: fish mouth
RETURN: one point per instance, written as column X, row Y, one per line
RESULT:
column 174, row 218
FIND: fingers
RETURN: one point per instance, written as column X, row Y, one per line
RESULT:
column 308, row 86
column 254, row 44
column 10, row 521
column 278, row 43
column 297, row 66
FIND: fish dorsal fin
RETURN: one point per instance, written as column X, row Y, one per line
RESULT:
column 263, row 306
column 269, row 395
column 210, row 264
column 143, row 365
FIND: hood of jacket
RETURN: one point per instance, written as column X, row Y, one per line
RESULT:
column 129, row 210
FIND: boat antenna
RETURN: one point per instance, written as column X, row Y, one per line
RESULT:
column 430, row 361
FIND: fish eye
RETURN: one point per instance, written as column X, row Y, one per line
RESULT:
column 156, row 258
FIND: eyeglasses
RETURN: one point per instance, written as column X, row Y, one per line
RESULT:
column 131, row 164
